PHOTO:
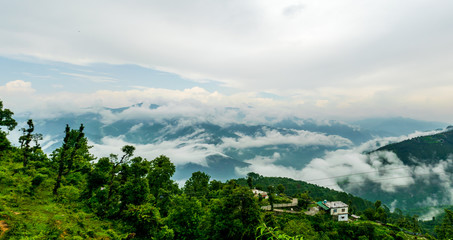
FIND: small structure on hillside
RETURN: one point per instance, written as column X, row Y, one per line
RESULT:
column 337, row 209
column 257, row 193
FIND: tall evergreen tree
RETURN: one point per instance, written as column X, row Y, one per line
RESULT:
column 73, row 157
column 26, row 139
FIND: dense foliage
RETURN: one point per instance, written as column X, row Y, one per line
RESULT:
column 72, row 195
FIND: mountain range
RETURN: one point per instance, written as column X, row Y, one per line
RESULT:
column 304, row 149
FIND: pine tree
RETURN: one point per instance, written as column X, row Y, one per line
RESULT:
column 26, row 139
column 73, row 157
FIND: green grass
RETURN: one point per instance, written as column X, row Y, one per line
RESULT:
column 36, row 215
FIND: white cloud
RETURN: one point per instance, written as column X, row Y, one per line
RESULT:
column 93, row 78
column 433, row 212
column 293, row 10
column 196, row 103
column 180, row 151
column 17, row 86
column 298, row 138
column 193, row 148
column 136, row 127
column 265, row 166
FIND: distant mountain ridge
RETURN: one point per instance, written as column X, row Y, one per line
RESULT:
column 424, row 162
column 205, row 134
column 132, row 125
column 428, row 149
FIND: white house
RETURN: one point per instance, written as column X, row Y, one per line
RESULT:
column 259, row 192
column 337, row 209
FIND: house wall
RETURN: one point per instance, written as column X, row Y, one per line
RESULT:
column 343, row 217
column 338, row 211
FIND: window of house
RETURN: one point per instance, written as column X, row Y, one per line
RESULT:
column 343, row 209
column 335, row 210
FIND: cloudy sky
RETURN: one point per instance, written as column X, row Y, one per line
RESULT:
column 311, row 58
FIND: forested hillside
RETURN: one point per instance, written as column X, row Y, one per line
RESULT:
column 425, row 164
column 425, row 149
column 71, row 194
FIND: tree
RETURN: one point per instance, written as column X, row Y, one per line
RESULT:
column 253, row 176
column 269, row 233
column 6, row 120
column 161, row 171
column 250, row 182
column 99, row 176
column 72, row 158
column 113, row 184
column 379, row 212
column 135, row 189
column 96, row 192
column 26, row 139
column 215, row 185
column 271, row 192
column 304, row 200
column 234, row 216
column 128, row 151
column 300, row 227
column 197, row 185
column 147, row 222
column 160, row 184
column 185, row 217
column 377, row 204
column 445, row 230
column 280, row 188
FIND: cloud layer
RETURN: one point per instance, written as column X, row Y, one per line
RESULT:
column 193, row 148
column 200, row 103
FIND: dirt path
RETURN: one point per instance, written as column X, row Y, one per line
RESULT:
column 3, row 228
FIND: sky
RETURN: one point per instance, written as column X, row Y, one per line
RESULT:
column 315, row 59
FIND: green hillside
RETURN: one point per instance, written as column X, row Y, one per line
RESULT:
column 427, row 149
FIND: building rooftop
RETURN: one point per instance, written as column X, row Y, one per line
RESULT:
column 336, row 204
column 322, row 205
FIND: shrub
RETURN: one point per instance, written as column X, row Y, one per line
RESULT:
column 68, row 194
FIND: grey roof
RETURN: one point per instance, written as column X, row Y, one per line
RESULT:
column 336, row 204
